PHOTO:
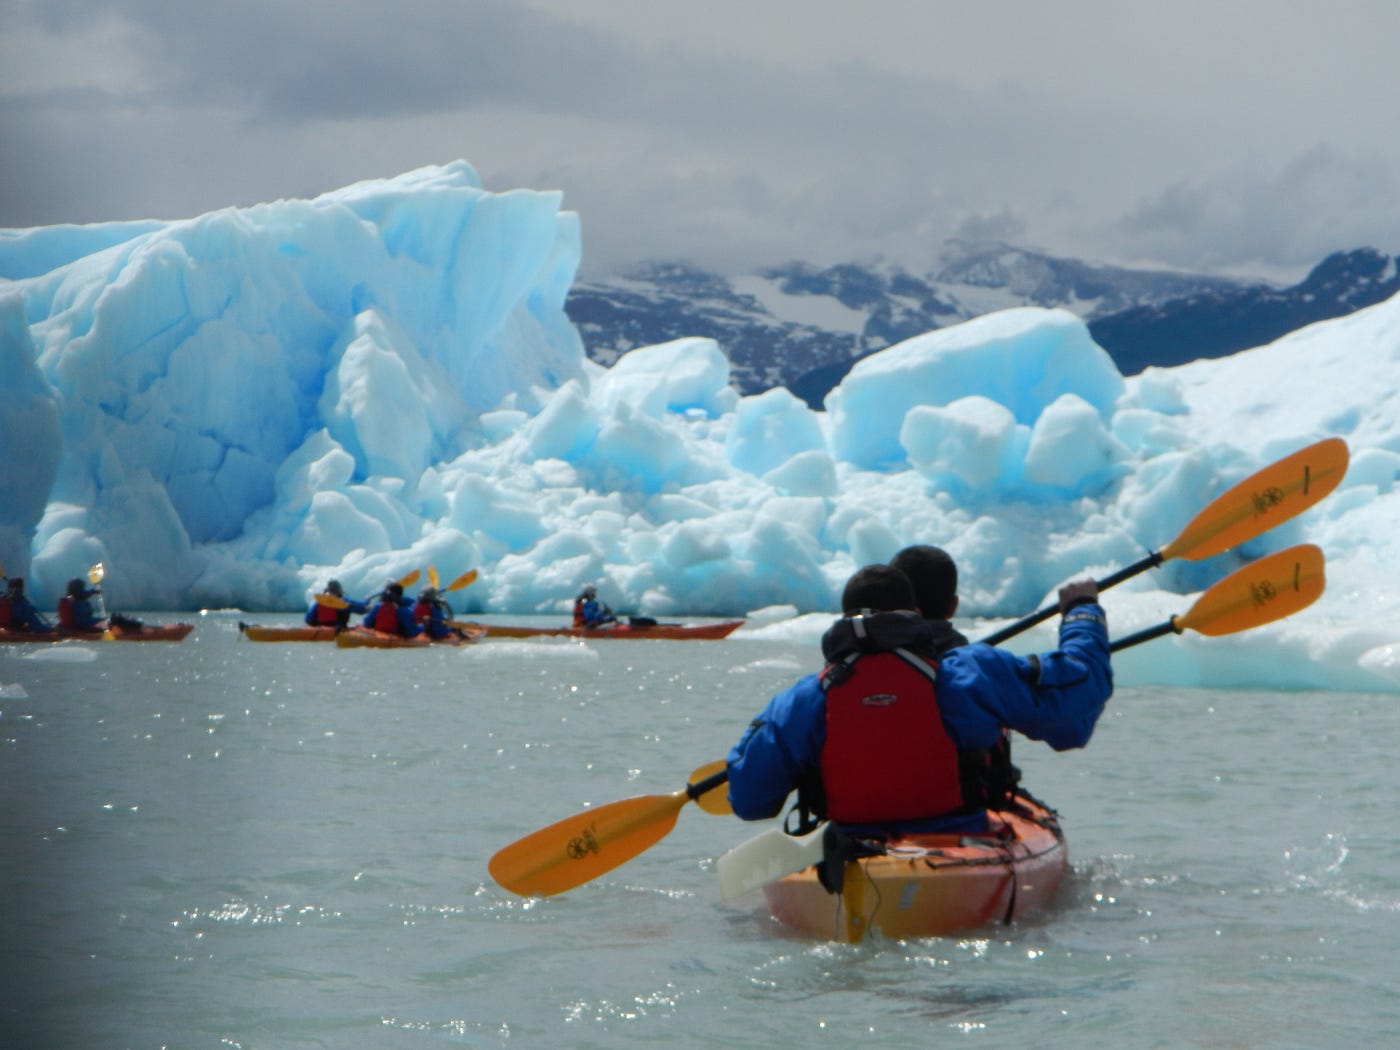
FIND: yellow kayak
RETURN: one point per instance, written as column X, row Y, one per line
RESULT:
column 366, row 638
column 300, row 633
column 929, row 885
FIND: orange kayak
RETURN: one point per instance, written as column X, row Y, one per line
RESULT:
column 365, row 638
column 147, row 632
column 301, row 633
column 675, row 631
column 930, row 885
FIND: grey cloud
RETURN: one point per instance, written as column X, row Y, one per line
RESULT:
column 1321, row 201
column 737, row 156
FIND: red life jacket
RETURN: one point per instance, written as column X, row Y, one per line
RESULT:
column 578, row 612
column 7, row 615
column 887, row 756
column 422, row 611
column 65, row 611
column 386, row 618
column 327, row 616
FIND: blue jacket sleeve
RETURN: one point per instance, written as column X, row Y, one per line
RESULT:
column 1056, row 697
column 781, row 745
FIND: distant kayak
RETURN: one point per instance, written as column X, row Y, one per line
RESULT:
column 638, row 628
column 365, row 638
column 930, row 885
column 301, row 633
column 146, row 632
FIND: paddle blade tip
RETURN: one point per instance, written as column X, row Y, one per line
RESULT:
column 1263, row 501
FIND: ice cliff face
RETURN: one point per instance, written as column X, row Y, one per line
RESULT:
column 188, row 361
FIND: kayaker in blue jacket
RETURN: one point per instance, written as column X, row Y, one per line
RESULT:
column 325, row 614
column 17, row 613
column 432, row 613
column 589, row 611
column 890, row 738
column 392, row 614
column 934, row 576
column 75, row 608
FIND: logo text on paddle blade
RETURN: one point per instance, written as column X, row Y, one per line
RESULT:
column 1267, row 500
column 583, row 845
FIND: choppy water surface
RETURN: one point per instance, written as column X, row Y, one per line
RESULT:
column 228, row 844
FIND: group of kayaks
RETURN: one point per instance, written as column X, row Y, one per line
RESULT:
column 467, row 633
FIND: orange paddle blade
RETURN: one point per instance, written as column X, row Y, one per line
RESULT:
column 1275, row 494
column 1263, row 591
column 582, row 847
column 716, row 800
column 465, row 580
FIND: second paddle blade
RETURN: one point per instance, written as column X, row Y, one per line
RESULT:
column 1263, row 591
column 580, row 848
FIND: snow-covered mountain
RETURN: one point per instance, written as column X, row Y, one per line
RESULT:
column 802, row 327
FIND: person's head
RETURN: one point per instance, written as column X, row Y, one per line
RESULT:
column 428, row 594
column 77, row 588
column 394, row 591
column 15, row 586
column 589, row 592
column 934, row 575
column 878, row 588
column 334, row 588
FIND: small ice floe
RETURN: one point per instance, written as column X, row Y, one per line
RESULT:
column 62, row 654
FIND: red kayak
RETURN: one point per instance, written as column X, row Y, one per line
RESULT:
column 146, row 632
column 635, row 629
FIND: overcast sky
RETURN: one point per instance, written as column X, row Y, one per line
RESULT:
column 1245, row 137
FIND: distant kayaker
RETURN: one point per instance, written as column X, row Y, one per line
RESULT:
column 75, row 611
column 432, row 612
column 891, row 738
column 76, row 615
column 17, row 613
column 392, row 614
column 337, row 615
column 589, row 611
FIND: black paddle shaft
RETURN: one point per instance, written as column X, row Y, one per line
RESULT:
column 1011, row 630
column 708, row 784
column 1144, row 636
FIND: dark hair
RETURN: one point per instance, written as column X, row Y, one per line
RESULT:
column 76, row 588
column 934, row 576
column 15, row 583
column 877, row 587
column 334, row 588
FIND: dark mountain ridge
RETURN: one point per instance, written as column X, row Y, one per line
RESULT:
column 803, row 327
